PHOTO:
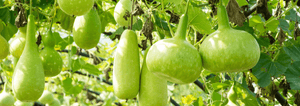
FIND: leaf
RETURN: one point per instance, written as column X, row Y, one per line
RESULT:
column 242, row 2
column 105, row 18
column 198, row 20
column 9, row 31
column 293, row 75
column 254, row 21
column 91, row 69
column 217, row 86
column 119, row 31
column 292, row 49
column 216, row 98
column 246, row 28
column 69, row 88
column 5, row 15
column 263, row 41
column 245, row 97
column 272, row 24
column 176, row 2
column 292, row 15
column 138, row 25
column 67, row 84
column 284, row 25
column 160, row 22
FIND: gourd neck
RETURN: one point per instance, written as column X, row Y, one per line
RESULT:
column 182, row 27
column 223, row 20
column 30, row 34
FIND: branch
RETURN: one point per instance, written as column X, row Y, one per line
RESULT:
column 200, row 85
column 82, row 54
column 280, row 99
column 92, row 76
column 174, row 102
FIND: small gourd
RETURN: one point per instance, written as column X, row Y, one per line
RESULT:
column 52, row 61
column 126, row 69
column 123, row 7
column 76, row 7
column 4, row 48
column 227, row 49
column 18, row 43
column 28, row 79
column 47, row 97
column 55, row 102
column 6, row 99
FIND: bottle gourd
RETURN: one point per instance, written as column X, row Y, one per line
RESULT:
column 4, row 48
column 76, row 7
column 52, row 61
column 122, row 8
column 28, row 78
column 175, row 59
column 87, row 30
column 227, row 49
column 18, row 43
column 153, row 90
column 126, row 69
column 6, row 99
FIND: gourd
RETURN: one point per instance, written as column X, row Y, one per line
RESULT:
column 175, row 59
column 20, row 103
column 6, row 99
column 122, row 8
column 55, row 102
column 86, row 30
column 227, row 49
column 52, row 61
column 46, row 98
column 28, row 78
column 18, row 43
column 153, row 90
column 76, row 7
column 4, row 48
column 232, row 96
column 126, row 69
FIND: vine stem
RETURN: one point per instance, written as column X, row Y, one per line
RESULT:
column 131, row 15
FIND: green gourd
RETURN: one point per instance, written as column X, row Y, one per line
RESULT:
column 227, row 49
column 4, row 48
column 6, row 99
column 126, row 69
column 153, row 90
column 123, row 7
column 28, row 79
column 76, row 7
column 18, row 43
column 87, row 30
column 52, row 61
column 20, row 103
column 175, row 59
column 47, row 97
column 55, row 102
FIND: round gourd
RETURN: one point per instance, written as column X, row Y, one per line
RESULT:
column 52, row 61
column 55, row 102
column 28, row 79
column 20, row 103
column 175, row 59
column 126, row 69
column 6, row 99
column 4, row 48
column 152, row 88
column 123, row 7
column 76, row 7
column 86, row 30
column 227, row 49
column 47, row 97
column 17, row 44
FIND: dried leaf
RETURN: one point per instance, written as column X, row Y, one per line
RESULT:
column 281, row 36
column 235, row 13
column 296, row 31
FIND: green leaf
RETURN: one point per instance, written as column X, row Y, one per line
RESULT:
column 216, row 98
column 292, row 49
column 198, row 20
column 284, row 25
column 137, row 26
column 67, row 84
column 292, row 15
column 9, row 31
column 91, row 69
column 246, row 28
column 5, row 15
column 272, row 24
column 245, row 97
column 119, row 31
column 261, row 28
column 105, row 18
column 160, row 22
column 263, row 41
column 260, row 70
column 176, row 2
column 242, row 2
column 217, row 86
column 293, row 75
column 255, row 20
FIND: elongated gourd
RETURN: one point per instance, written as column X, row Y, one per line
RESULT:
column 126, row 70
column 153, row 90
column 227, row 49
column 18, row 43
column 52, row 61
column 28, row 79
column 3, row 48
column 175, row 59
column 87, row 30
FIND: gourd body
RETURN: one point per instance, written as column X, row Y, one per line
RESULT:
column 123, row 7
column 87, row 30
column 55, row 102
column 126, row 70
column 28, row 79
column 19, row 103
column 153, row 90
column 47, row 97
column 4, row 48
column 17, row 45
column 227, row 49
column 52, row 61
column 76, row 7
column 175, row 59
column 6, row 99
